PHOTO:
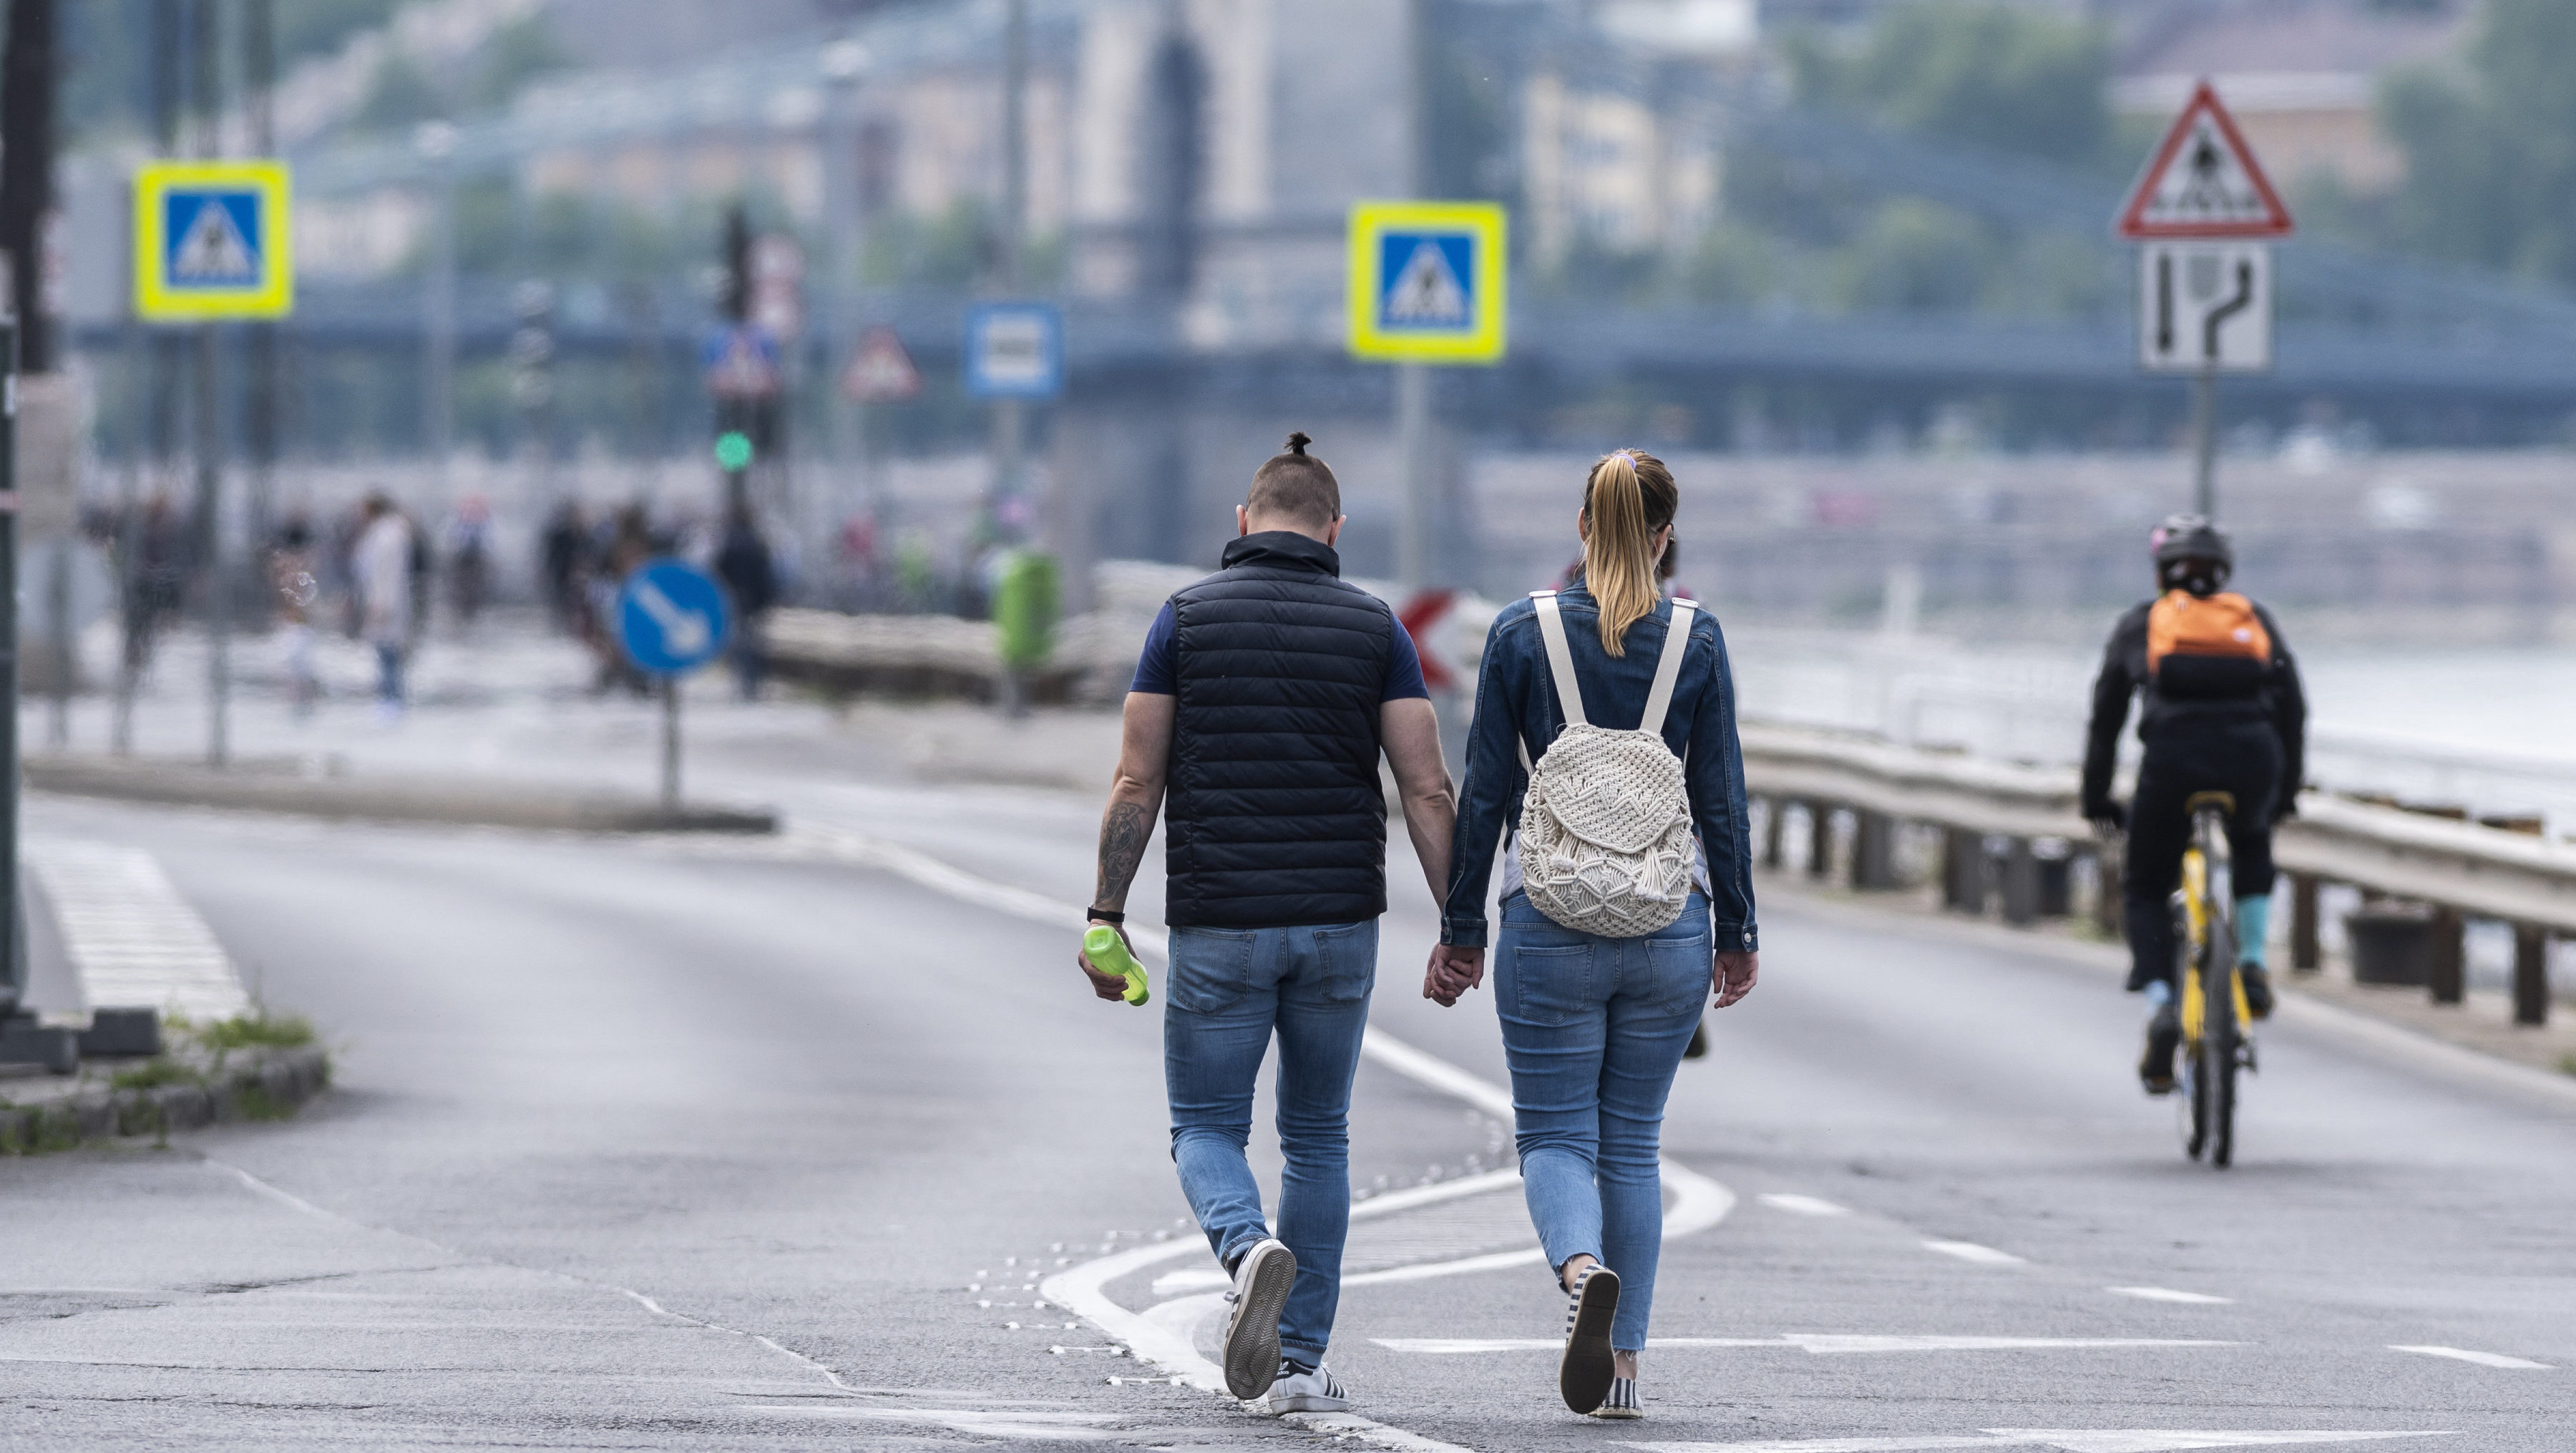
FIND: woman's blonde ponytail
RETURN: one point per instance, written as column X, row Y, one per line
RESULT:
column 1629, row 498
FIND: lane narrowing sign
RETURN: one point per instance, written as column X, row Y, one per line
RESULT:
column 2205, row 305
column 1427, row 282
column 213, row 240
column 672, row 617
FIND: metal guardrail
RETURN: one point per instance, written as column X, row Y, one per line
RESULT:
column 2462, row 869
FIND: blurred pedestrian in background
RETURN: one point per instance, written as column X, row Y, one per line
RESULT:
column 159, row 578
column 1600, row 993
column 750, row 575
column 469, row 560
column 292, row 593
column 383, row 567
column 561, row 558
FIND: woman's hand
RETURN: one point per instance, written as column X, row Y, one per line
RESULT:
column 1453, row 972
column 1735, row 975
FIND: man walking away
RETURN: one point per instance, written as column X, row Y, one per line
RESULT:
column 1265, row 696
column 750, row 574
column 382, row 565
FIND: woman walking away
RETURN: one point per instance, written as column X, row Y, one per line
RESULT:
column 1630, row 891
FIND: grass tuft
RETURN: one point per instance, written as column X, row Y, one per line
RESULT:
column 153, row 1073
column 257, row 1030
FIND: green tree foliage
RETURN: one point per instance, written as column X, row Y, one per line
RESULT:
column 2491, row 146
column 514, row 55
column 2010, row 78
column 1914, row 256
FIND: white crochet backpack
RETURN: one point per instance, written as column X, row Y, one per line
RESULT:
column 1605, row 836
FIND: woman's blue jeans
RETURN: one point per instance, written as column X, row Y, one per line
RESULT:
column 1594, row 1029
column 1228, row 990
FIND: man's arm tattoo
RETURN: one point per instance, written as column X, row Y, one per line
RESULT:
column 1123, row 834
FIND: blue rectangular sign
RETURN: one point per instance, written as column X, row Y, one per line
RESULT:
column 1014, row 351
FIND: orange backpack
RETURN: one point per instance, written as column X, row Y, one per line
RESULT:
column 2221, row 643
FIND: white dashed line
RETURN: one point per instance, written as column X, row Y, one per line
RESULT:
column 1971, row 1251
column 2482, row 1359
column 2168, row 1294
column 1797, row 1205
column 1819, row 1344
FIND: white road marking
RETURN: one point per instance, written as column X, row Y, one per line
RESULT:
column 2482, row 1359
column 1797, row 1205
column 135, row 942
column 2066, row 1440
column 2168, row 1294
column 1055, row 1427
column 1820, row 1344
column 1971, row 1251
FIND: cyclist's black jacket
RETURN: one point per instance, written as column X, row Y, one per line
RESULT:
column 2163, row 717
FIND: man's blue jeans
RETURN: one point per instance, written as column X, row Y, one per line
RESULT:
column 1228, row 990
column 1594, row 1029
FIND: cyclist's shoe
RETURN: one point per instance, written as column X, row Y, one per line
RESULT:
column 2258, row 989
column 2164, row 1035
column 1261, row 1282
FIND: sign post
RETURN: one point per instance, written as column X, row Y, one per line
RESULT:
column 213, row 243
column 2206, row 214
column 672, row 618
column 880, row 371
column 1426, row 286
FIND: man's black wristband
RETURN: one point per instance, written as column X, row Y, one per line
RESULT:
column 1107, row 915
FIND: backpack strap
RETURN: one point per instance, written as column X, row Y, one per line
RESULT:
column 1560, row 657
column 1668, row 669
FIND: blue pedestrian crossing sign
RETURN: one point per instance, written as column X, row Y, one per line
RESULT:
column 672, row 617
column 1014, row 351
column 212, row 240
column 1427, row 282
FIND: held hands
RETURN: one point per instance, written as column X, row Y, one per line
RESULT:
column 1453, row 972
column 1735, row 975
column 1112, row 987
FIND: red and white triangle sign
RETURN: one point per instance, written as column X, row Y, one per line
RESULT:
column 2203, row 181
column 880, row 371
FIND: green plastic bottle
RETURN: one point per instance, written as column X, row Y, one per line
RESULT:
column 1108, row 955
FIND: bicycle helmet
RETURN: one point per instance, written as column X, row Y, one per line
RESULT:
column 2191, row 554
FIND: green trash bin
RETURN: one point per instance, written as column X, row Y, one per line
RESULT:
column 1024, row 613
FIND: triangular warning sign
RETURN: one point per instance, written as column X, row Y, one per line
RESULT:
column 1427, row 290
column 2203, row 181
column 213, row 250
column 742, row 368
column 880, row 371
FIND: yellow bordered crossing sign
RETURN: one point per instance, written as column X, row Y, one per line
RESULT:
column 1427, row 282
column 212, row 240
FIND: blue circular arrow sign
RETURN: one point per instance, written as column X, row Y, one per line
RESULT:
column 672, row 617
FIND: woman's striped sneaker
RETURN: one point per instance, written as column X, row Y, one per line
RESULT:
column 1622, row 1402
column 1583, row 1378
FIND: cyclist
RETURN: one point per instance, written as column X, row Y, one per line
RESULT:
column 2222, row 712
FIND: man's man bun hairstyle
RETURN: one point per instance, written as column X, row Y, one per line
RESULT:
column 1296, row 485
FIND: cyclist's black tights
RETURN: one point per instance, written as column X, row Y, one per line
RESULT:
column 2240, row 758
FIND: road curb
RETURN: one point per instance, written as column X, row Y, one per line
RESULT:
column 266, row 1084
column 447, row 802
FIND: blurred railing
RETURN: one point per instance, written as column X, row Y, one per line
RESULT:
column 2017, row 829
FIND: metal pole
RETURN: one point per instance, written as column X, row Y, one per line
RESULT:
column 438, row 381
column 1009, row 421
column 210, row 535
column 259, row 72
column 671, row 742
column 58, row 639
column 1413, row 432
column 13, row 936
column 2204, row 442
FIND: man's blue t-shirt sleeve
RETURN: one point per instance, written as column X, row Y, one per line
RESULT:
column 1403, row 668
column 1154, row 668
column 1155, row 673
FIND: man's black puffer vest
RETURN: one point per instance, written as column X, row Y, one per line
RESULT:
column 1275, row 816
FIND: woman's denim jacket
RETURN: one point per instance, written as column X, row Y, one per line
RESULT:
column 1515, row 699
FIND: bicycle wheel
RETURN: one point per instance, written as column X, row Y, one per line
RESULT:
column 2195, row 1103
column 2220, row 1031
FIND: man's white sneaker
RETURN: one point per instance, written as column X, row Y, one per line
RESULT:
column 1304, row 1392
column 1261, row 1282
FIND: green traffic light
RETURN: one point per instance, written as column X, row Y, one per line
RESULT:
column 733, row 450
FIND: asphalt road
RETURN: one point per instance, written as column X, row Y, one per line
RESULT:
column 661, row 1145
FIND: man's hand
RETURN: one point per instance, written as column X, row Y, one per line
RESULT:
column 1112, row 987
column 2108, row 818
column 1735, row 975
column 1453, row 972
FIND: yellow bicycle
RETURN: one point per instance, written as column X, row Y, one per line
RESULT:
column 2215, row 1044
